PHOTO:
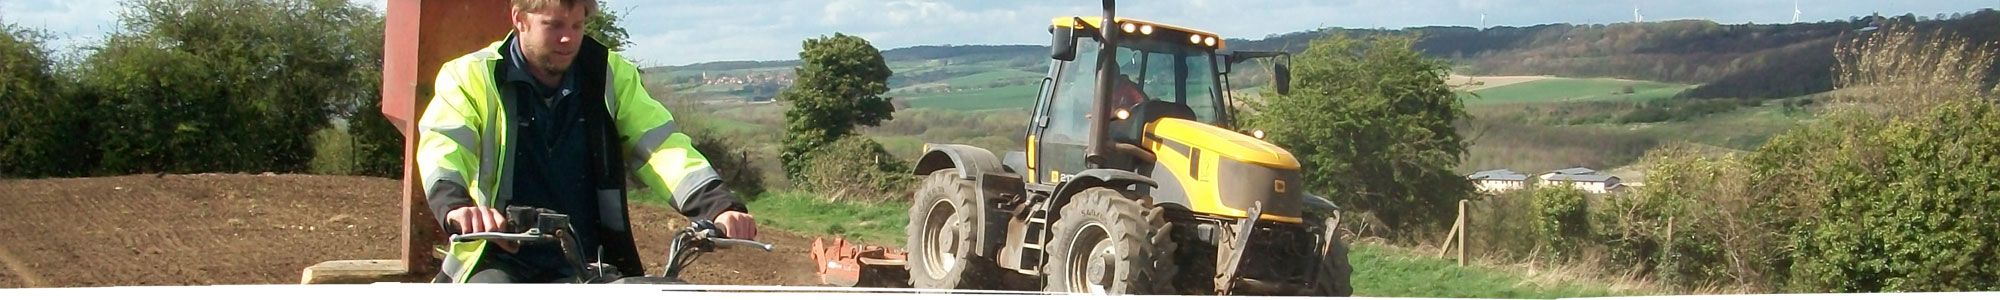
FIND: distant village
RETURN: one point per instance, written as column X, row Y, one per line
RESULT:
column 1505, row 180
column 778, row 78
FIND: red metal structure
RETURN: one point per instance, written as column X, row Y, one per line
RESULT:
column 420, row 36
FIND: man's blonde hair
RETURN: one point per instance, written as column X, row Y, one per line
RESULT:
column 589, row 6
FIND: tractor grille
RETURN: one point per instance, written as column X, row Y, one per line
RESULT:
column 1281, row 253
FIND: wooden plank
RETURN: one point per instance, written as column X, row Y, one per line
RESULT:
column 358, row 272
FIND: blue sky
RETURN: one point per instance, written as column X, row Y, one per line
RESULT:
column 675, row 32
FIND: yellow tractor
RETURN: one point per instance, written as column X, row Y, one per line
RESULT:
column 1135, row 181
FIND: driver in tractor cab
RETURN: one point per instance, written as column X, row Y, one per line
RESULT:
column 552, row 119
column 1126, row 93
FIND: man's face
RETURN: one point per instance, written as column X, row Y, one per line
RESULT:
column 551, row 36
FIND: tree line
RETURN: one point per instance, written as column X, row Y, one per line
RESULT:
column 191, row 86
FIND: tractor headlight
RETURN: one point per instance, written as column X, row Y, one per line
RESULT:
column 1129, row 27
column 1259, row 134
column 1122, row 114
column 1146, row 29
column 1194, row 39
column 1208, row 40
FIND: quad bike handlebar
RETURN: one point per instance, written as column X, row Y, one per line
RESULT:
column 532, row 235
column 699, row 237
column 530, row 225
column 713, row 233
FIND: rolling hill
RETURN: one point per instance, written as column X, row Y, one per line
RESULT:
column 1705, row 59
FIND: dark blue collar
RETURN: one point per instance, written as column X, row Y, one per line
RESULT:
column 517, row 71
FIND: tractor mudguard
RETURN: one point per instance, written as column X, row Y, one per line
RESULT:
column 970, row 161
column 1110, row 178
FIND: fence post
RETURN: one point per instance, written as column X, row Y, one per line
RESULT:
column 1464, row 228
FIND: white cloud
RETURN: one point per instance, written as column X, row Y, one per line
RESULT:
column 74, row 22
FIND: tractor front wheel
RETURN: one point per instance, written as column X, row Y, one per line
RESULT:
column 1331, row 275
column 1107, row 242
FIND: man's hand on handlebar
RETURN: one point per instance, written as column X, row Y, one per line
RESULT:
column 737, row 225
column 474, row 219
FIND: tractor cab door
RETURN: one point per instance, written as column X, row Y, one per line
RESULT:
column 1061, row 128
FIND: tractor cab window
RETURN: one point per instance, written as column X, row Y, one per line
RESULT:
column 1171, row 72
column 1150, row 70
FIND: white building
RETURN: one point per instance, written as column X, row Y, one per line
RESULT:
column 1588, row 180
column 1498, row 181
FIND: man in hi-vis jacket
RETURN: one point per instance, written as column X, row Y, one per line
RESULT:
column 549, row 118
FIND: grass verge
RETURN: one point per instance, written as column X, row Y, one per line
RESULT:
column 1384, row 271
column 809, row 215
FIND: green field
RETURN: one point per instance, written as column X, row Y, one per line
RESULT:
column 1744, row 129
column 982, row 79
column 1573, row 90
column 732, row 126
column 1008, row 97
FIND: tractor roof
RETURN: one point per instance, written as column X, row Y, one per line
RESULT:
column 1093, row 20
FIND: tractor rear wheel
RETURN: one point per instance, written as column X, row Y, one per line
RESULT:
column 1107, row 242
column 941, row 241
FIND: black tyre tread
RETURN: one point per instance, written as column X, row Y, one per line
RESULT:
column 1134, row 225
column 972, row 271
column 1332, row 276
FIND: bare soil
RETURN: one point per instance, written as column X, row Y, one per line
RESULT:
column 209, row 229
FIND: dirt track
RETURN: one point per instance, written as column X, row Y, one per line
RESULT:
column 251, row 229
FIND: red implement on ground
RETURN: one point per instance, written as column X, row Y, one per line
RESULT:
column 840, row 263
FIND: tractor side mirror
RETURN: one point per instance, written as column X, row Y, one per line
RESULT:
column 1282, row 76
column 1062, row 43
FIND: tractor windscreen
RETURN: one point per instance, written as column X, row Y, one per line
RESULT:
column 1172, row 72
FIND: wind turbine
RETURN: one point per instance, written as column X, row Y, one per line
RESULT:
column 1636, row 17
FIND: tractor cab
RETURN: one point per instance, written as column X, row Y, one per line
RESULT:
column 1162, row 72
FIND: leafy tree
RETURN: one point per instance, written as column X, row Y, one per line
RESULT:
column 1893, row 192
column 1561, row 218
column 221, row 85
column 38, row 121
column 840, row 84
column 1373, row 122
column 378, row 147
column 604, row 27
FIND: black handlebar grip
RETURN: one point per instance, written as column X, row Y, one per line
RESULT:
column 715, row 230
column 451, row 228
column 521, row 218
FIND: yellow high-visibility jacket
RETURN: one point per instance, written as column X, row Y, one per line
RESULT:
column 465, row 155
